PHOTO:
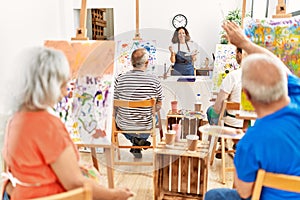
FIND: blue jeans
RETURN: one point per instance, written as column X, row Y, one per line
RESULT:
column 223, row 194
column 143, row 135
column 5, row 196
column 131, row 135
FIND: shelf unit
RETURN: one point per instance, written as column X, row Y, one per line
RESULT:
column 98, row 24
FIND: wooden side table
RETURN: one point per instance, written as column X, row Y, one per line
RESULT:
column 188, row 126
column 180, row 174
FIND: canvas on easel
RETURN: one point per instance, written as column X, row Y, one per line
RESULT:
column 124, row 50
column 224, row 63
column 87, row 109
column 281, row 36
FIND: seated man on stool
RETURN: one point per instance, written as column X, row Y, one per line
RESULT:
column 133, row 85
column 230, row 90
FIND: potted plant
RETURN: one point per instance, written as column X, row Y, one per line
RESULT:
column 235, row 16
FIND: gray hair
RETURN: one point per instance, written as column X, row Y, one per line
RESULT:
column 46, row 70
column 139, row 57
column 263, row 78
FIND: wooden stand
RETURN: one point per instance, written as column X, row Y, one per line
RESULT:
column 81, row 31
column 281, row 10
column 137, row 21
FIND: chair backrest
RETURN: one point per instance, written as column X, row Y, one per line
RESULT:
column 277, row 181
column 136, row 104
column 82, row 193
column 227, row 105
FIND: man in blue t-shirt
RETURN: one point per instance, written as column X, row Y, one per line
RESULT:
column 273, row 142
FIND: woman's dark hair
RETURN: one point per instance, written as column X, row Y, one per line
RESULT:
column 175, row 35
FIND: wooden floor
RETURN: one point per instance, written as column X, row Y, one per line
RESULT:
column 140, row 178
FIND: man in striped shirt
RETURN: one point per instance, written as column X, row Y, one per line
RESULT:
column 136, row 84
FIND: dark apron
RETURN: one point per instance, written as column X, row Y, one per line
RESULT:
column 183, row 64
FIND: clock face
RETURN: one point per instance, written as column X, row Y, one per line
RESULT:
column 179, row 21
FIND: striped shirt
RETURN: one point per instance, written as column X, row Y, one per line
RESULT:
column 136, row 85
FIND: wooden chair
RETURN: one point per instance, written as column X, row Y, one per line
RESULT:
column 82, row 193
column 277, row 181
column 116, row 131
column 226, row 106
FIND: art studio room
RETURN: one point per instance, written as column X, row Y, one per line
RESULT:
column 139, row 99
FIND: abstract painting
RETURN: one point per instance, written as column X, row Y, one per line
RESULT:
column 281, row 36
column 224, row 63
column 125, row 49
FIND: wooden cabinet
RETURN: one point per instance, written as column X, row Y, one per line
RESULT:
column 98, row 24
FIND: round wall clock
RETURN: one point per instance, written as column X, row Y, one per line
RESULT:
column 179, row 20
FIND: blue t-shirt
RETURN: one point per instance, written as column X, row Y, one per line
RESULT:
column 273, row 144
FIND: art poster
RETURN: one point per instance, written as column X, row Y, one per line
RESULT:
column 87, row 109
column 224, row 63
column 281, row 36
column 125, row 49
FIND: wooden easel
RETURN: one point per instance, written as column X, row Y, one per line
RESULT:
column 137, row 21
column 81, row 35
column 281, row 10
column 81, row 31
column 243, row 13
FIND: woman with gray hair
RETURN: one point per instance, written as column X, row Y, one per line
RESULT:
column 40, row 156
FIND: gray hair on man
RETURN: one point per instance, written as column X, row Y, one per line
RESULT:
column 46, row 70
column 263, row 78
column 139, row 57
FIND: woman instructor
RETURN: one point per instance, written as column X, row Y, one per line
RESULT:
column 183, row 52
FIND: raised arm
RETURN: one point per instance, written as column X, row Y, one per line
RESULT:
column 173, row 54
column 236, row 37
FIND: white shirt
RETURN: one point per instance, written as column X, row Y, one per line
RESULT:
column 184, row 48
column 232, row 85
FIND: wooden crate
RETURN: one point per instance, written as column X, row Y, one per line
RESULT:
column 180, row 174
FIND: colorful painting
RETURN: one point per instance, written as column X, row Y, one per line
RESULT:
column 281, row 36
column 125, row 49
column 87, row 109
column 224, row 63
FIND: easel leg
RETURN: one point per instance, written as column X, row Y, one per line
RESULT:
column 109, row 167
column 94, row 158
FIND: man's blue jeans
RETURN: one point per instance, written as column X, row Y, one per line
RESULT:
column 142, row 136
column 223, row 194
